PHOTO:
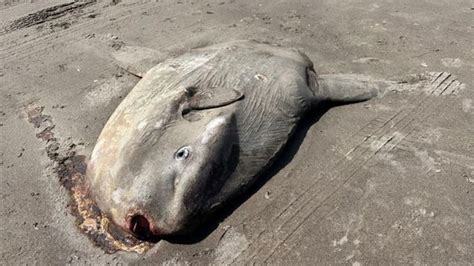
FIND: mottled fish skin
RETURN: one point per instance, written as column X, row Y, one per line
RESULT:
column 132, row 170
column 277, row 94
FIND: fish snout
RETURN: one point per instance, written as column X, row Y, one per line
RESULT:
column 142, row 226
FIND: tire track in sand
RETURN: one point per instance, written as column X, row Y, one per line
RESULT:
column 381, row 134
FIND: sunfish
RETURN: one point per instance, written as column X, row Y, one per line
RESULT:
column 200, row 128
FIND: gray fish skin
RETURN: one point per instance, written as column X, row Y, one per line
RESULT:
column 199, row 129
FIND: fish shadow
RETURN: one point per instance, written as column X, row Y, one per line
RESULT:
column 284, row 157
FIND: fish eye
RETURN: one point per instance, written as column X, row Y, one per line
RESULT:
column 182, row 153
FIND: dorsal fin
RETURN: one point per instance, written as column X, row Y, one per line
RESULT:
column 346, row 88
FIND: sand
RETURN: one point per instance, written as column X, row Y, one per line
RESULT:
column 390, row 180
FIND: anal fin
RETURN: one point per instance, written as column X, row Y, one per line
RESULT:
column 138, row 60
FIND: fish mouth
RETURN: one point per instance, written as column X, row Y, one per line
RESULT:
column 142, row 227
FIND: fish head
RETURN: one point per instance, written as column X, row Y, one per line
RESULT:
column 160, row 181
